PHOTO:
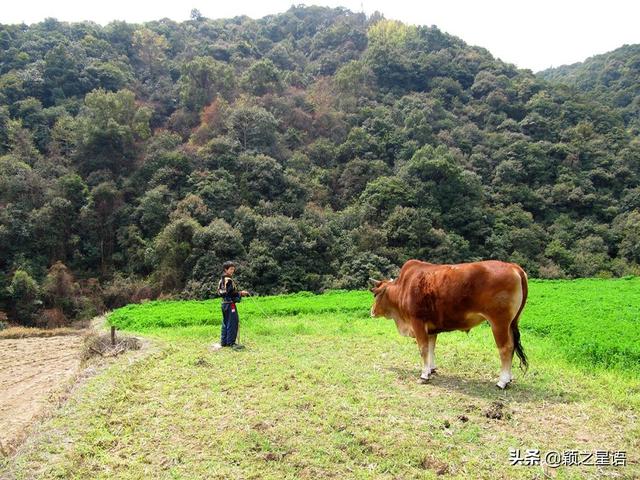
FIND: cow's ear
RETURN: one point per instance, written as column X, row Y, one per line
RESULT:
column 375, row 283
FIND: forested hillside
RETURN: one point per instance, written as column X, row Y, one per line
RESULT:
column 316, row 147
column 612, row 78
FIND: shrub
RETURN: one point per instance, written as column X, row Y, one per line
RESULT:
column 25, row 295
column 59, row 289
column 86, row 308
column 122, row 291
column 52, row 318
column 199, row 290
column 551, row 270
column 357, row 270
column 92, row 292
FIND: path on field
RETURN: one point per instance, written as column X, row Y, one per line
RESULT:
column 31, row 370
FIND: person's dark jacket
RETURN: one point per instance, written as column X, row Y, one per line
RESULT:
column 228, row 285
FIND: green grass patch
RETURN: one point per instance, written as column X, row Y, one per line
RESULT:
column 594, row 322
column 163, row 314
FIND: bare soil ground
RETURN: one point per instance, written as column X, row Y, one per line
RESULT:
column 32, row 371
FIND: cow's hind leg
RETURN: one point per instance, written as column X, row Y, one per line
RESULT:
column 423, row 346
column 504, row 342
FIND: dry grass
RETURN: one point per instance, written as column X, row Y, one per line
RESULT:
column 100, row 345
column 38, row 372
column 29, row 332
column 32, row 372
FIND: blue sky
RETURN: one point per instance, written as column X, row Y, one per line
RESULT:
column 531, row 34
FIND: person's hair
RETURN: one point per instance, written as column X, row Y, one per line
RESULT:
column 227, row 265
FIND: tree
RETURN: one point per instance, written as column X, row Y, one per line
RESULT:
column 262, row 178
column 193, row 206
column 409, row 230
column 104, row 203
column 514, row 230
column 356, row 174
column 360, row 143
column 361, row 136
column 63, row 138
column 353, row 81
column 218, row 191
column 213, row 245
column 108, row 129
column 591, row 257
column 443, row 186
column 253, row 127
column 59, row 289
column 25, row 296
column 202, row 79
column 389, row 54
column 356, row 270
column 173, row 250
column 153, row 210
column 135, row 250
column 262, row 77
column 53, row 229
column 627, row 227
column 212, row 122
column 277, row 256
column 20, row 184
column 383, row 194
column 72, row 188
column 62, row 74
column 20, row 143
column 150, row 49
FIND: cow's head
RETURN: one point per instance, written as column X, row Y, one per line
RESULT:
column 380, row 307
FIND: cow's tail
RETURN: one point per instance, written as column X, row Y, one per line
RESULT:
column 524, row 364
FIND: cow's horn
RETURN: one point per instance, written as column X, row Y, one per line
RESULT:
column 374, row 282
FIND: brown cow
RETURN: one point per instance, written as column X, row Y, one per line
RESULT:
column 427, row 299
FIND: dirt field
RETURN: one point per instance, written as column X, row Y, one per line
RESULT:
column 31, row 370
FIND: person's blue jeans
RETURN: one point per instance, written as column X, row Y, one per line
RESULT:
column 229, row 324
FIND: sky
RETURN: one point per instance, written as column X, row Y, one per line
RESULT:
column 534, row 34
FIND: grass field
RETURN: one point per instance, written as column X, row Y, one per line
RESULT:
column 324, row 391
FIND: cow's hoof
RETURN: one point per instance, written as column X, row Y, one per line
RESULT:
column 423, row 381
column 502, row 384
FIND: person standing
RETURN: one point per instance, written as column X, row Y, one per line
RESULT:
column 228, row 290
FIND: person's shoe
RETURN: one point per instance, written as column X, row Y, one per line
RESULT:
column 216, row 346
column 237, row 346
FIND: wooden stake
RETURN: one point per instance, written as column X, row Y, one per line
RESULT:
column 113, row 336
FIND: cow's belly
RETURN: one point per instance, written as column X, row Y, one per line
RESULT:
column 404, row 328
column 449, row 324
column 458, row 322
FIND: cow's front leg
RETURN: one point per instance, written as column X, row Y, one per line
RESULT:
column 432, row 353
column 420, row 332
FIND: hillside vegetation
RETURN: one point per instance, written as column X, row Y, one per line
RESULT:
column 612, row 78
column 317, row 147
column 327, row 392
